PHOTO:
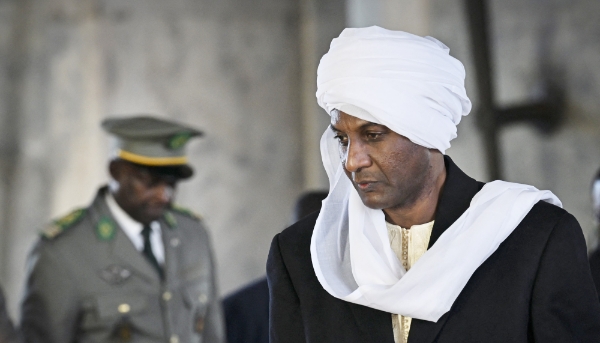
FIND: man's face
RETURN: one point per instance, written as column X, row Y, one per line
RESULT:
column 140, row 191
column 387, row 170
column 596, row 199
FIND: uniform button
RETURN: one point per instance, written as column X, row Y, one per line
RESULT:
column 124, row 308
column 174, row 339
column 125, row 273
column 167, row 296
column 175, row 242
column 203, row 298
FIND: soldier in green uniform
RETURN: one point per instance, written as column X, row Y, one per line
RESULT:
column 131, row 267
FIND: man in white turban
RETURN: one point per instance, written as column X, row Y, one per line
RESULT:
column 406, row 247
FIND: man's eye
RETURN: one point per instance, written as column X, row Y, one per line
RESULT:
column 374, row 135
column 341, row 139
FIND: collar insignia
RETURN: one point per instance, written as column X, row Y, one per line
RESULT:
column 170, row 219
column 105, row 229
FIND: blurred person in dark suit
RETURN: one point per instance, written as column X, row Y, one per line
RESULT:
column 247, row 310
column 8, row 333
column 132, row 266
column 595, row 255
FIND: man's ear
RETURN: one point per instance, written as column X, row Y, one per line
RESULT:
column 115, row 168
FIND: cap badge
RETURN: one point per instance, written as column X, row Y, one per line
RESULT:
column 179, row 140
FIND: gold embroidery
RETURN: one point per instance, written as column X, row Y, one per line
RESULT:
column 405, row 321
column 409, row 245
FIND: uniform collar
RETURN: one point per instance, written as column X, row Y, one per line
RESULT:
column 130, row 226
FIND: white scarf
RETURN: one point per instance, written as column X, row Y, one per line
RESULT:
column 413, row 86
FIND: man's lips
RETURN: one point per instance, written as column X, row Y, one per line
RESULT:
column 364, row 184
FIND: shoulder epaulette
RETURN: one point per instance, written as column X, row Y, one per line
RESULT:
column 186, row 212
column 59, row 225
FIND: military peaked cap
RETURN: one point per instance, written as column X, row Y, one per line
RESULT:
column 152, row 142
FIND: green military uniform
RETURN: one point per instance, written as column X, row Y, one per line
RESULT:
column 88, row 283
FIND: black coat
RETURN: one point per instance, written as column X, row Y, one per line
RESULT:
column 536, row 287
column 595, row 266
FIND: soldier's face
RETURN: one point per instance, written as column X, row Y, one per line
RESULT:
column 596, row 199
column 142, row 193
column 387, row 170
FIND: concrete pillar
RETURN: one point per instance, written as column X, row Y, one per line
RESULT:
column 11, row 53
column 406, row 15
column 320, row 22
column 54, row 106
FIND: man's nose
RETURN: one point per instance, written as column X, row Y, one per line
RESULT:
column 164, row 192
column 357, row 157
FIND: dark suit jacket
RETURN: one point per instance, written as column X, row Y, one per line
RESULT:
column 595, row 266
column 247, row 314
column 536, row 287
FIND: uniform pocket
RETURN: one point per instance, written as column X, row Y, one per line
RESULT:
column 107, row 310
column 197, row 271
column 109, row 306
column 196, row 298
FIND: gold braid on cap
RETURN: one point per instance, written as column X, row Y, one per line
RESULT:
column 152, row 161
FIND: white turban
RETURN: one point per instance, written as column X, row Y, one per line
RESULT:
column 408, row 83
column 413, row 86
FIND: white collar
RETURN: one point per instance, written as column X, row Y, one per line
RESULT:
column 133, row 228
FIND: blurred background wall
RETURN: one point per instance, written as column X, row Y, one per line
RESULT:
column 535, row 45
column 245, row 72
